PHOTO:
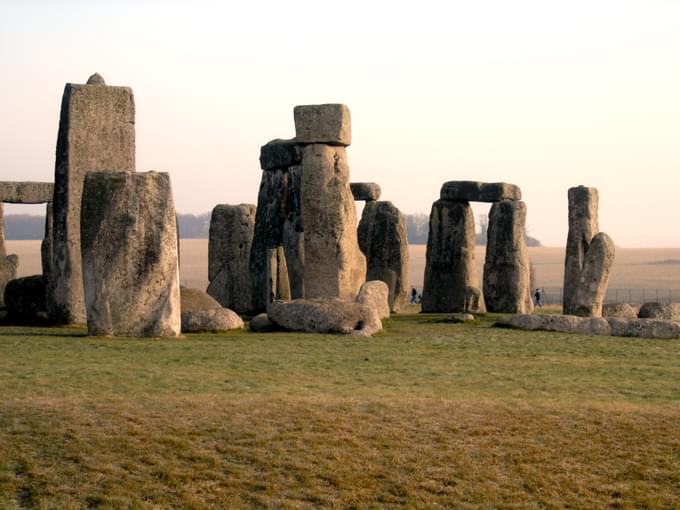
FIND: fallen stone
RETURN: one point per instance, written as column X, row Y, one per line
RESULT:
column 215, row 319
column 96, row 132
column 192, row 300
column 26, row 192
column 261, row 324
column 25, row 299
column 375, row 294
column 367, row 191
column 645, row 328
column 280, row 154
column 653, row 310
column 324, row 123
column 461, row 317
column 473, row 191
column 383, row 239
column 620, row 310
column 129, row 255
column 325, row 316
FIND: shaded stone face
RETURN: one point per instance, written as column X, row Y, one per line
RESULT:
column 8, row 264
column 334, row 265
column 294, row 235
column 366, row 191
column 96, row 132
column 506, row 268
column 129, row 254
column 323, row 123
column 25, row 299
column 473, row 191
column 383, row 239
column 280, row 154
column 451, row 283
column 229, row 244
column 26, row 192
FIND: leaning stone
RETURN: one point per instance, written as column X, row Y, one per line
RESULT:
column 25, row 299
column 473, row 191
column 261, row 324
column 229, row 244
column 620, row 310
column 450, row 273
column 280, row 154
column 653, row 310
column 334, row 264
column 129, row 253
column 216, row 319
column 507, row 276
column 383, row 239
column 192, row 300
column 96, row 132
column 367, row 191
column 325, row 316
column 375, row 294
column 26, row 192
column 323, row 123
column 594, row 278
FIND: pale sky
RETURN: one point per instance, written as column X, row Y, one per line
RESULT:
column 542, row 94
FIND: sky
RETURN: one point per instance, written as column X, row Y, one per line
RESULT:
column 543, row 94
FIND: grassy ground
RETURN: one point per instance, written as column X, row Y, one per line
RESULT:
column 427, row 414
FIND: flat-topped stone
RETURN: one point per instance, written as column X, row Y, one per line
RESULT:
column 367, row 191
column 323, row 123
column 474, row 191
column 26, row 192
column 280, row 153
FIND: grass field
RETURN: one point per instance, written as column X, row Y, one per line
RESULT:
column 428, row 414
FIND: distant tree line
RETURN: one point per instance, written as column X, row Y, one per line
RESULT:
column 197, row 226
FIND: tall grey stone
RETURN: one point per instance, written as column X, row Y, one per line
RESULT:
column 586, row 275
column 8, row 263
column 384, row 241
column 96, row 132
column 507, row 277
column 334, row 265
column 294, row 234
column 129, row 255
column 451, row 283
column 230, row 239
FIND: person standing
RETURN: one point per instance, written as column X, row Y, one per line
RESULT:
column 414, row 296
column 538, row 298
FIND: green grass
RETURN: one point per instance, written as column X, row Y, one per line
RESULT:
column 427, row 414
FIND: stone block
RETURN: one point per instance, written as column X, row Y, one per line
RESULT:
column 26, row 192
column 375, row 294
column 473, row 191
column 280, row 154
column 366, row 191
column 323, row 123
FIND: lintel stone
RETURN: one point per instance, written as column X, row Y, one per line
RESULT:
column 473, row 191
column 323, row 123
column 26, row 192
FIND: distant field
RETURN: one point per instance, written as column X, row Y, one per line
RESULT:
column 649, row 269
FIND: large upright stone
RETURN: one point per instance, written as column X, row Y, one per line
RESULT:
column 323, row 123
column 230, row 239
column 384, row 241
column 96, row 132
column 473, row 191
column 586, row 275
column 8, row 263
column 129, row 254
column 46, row 244
column 451, row 283
column 507, row 276
column 334, row 265
column 294, row 234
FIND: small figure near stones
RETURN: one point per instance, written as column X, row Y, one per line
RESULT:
column 414, row 296
column 538, row 298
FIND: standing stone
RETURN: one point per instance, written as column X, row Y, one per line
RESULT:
column 8, row 263
column 334, row 265
column 384, row 241
column 230, row 239
column 451, row 283
column 96, row 132
column 586, row 276
column 46, row 244
column 294, row 234
column 507, row 276
column 129, row 254
column 278, row 288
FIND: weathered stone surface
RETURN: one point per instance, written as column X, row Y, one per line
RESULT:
column 229, row 244
column 473, row 191
column 645, row 328
column 583, row 226
column 278, row 287
column 325, row 316
column 8, row 264
column 46, row 244
column 559, row 323
column 620, row 310
column 261, row 324
column 25, row 299
column 334, row 265
column 294, row 235
column 129, row 254
column 323, row 123
column 670, row 311
column 215, row 319
column 375, row 294
column 592, row 285
column 366, row 191
column 96, row 79
column 26, row 192
column 192, row 300
column 451, row 283
column 507, row 277
column 383, row 239
column 96, row 132
column 280, row 154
